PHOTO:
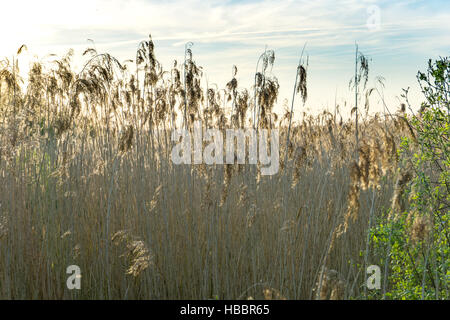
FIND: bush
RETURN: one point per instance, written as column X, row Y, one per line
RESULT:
column 413, row 243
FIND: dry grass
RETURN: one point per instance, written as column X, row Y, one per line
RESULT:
column 86, row 179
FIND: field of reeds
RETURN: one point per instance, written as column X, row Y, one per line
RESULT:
column 86, row 179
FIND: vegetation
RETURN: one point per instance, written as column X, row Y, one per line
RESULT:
column 416, row 239
column 86, row 179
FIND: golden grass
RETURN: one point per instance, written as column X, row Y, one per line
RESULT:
column 86, row 179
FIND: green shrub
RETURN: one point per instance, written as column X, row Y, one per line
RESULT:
column 413, row 243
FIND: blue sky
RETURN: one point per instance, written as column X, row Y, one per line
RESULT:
column 227, row 33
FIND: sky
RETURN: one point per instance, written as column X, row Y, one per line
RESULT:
column 398, row 36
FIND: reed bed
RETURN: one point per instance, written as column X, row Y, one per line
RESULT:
column 86, row 179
